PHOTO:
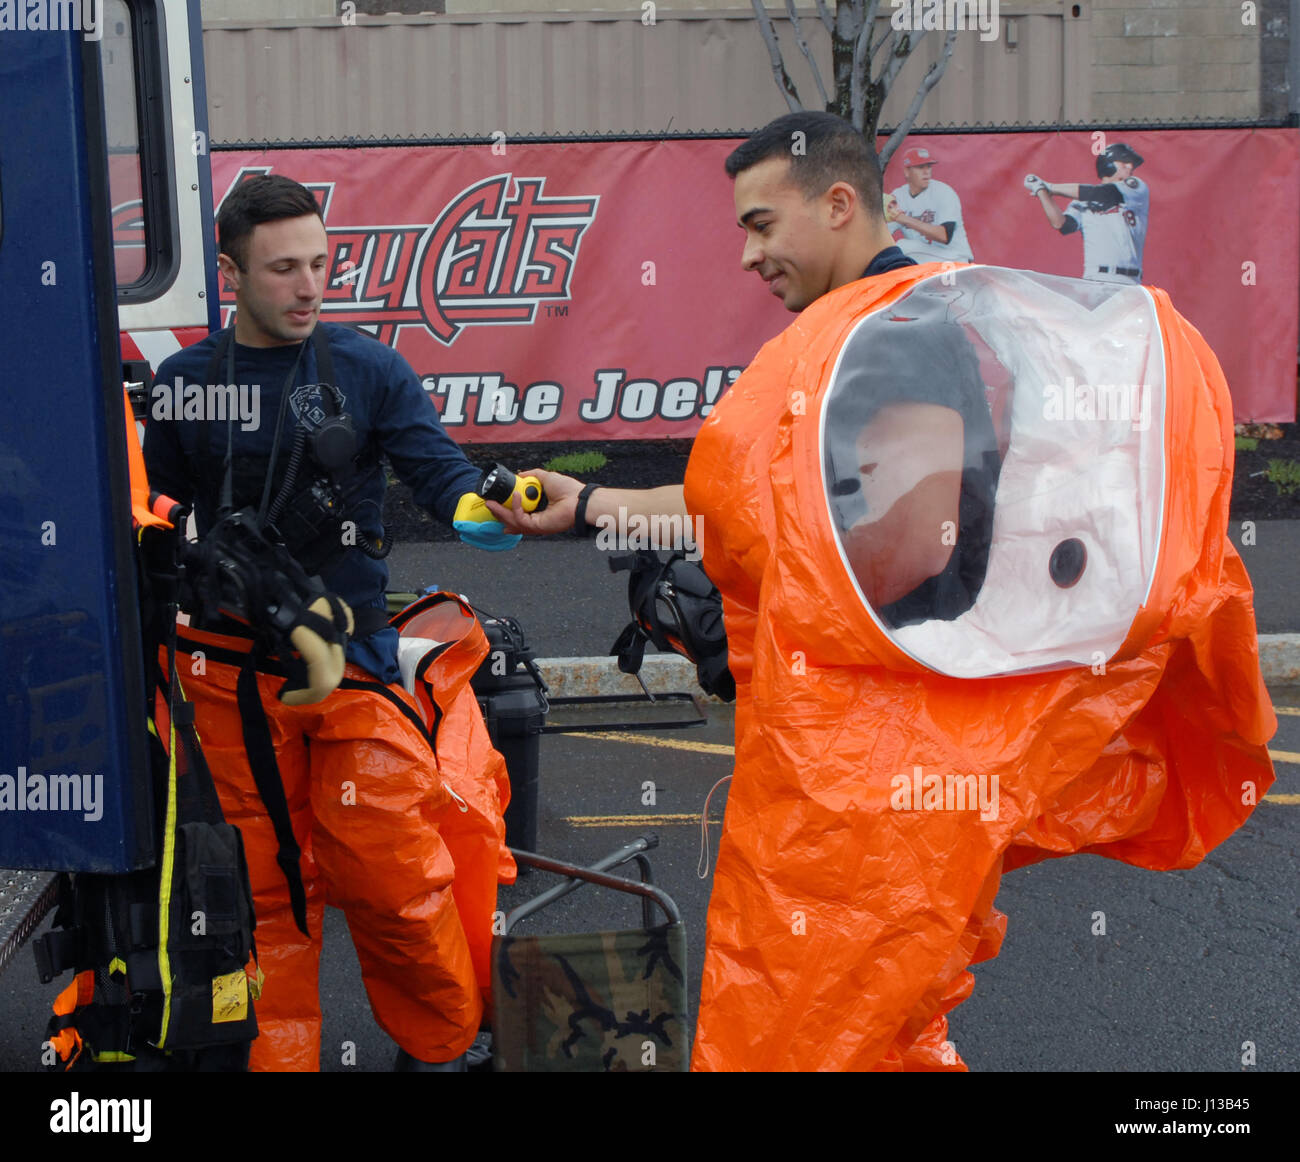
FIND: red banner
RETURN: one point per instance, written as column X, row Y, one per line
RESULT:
column 594, row 290
column 1223, row 236
column 541, row 292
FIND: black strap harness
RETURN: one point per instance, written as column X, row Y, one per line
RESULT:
column 270, row 785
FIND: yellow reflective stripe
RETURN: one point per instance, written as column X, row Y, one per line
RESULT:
column 112, row 1056
column 153, row 729
column 165, row 885
column 117, row 964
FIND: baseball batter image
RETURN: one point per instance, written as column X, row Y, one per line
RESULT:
column 1112, row 216
column 927, row 212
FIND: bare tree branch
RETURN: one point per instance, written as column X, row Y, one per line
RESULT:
column 803, row 48
column 861, row 70
column 928, row 82
column 884, row 40
column 858, row 74
column 903, row 47
column 859, row 91
column 842, row 33
column 862, row 53
column 825, row 14
column 774, row 54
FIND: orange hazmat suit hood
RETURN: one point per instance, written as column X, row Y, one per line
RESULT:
column 970, row 531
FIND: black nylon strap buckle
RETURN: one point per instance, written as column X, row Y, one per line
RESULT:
column 56, row 952
column 630, row 648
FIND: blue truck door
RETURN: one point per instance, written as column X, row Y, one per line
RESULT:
column 74, row 774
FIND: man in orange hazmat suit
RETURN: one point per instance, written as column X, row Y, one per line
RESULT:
column 969, row 526
column 355, row 799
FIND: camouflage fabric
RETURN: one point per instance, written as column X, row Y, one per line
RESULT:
column 599, row 1002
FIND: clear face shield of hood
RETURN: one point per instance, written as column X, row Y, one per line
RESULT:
column 992, row 449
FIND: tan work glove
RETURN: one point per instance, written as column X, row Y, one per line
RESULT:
column 320, row 637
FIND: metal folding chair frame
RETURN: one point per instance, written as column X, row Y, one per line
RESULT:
column 577, row 876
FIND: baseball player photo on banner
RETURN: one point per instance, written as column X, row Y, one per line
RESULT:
column 1230, row 268
column 927, row 212
column 1112, row 215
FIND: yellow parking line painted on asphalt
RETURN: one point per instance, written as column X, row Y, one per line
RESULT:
column 1288, row 710
column 1278, row 756
column 650, row 740
column 694, row 819
column 635, row 820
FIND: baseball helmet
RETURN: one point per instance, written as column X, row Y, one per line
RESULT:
column 1107, row 158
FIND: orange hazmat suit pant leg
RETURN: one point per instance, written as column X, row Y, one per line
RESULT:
column 365, row 799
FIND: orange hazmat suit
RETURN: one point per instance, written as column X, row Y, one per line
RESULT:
column 397, row 809
column 396, row 800
column 1096, row 686
column 442, row 647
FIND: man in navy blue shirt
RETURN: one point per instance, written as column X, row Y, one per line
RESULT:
column 389, row 410
column 359, row 774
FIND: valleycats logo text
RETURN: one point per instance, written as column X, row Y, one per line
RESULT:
column 498, row 250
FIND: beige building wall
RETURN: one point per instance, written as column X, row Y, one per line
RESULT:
column 243, row 10
column 239, row 11
column 309, row 73
column 1183, row 59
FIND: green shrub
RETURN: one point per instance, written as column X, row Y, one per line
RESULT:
column 1247, row 443
column 576, row 463
column 1285, row 475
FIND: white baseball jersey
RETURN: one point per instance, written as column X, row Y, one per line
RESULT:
column 1114, row 232
column 936, row 204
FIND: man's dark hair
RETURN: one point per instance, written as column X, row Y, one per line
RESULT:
column 265, row 198
column 829, row 150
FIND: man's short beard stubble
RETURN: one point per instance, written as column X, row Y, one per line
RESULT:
column 273, row 326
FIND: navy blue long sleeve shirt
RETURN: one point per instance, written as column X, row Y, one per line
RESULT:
column 390, row 412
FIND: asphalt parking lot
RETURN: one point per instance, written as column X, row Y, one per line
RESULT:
column 1194, row 963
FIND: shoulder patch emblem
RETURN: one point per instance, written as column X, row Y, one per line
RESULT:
column 1132, row 183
